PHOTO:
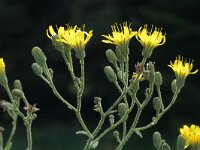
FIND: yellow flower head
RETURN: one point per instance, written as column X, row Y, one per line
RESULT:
column 73, row 36
column 182, row 69
column 2, row 65
column 191, row 135
column 121, row 35
column 150, row 39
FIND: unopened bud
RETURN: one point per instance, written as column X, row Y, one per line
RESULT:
column 18, row 84
column 158, row 79
column 110, row 74
column 165, row 146
column 39, row 56
column 111, row 119
column 116, row 134
column 150, row 67
column 122, row 108
column 173, row 85
column 157, row 104
column 180, row 144
column 17, row 93
column 157, row 140
column 111, row 56
column 37, row 69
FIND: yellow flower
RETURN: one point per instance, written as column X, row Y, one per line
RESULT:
column 182, row 69
column 2, row 65
column 191, row 135
column 73, row 36
column 121, row 35
column 150, row 39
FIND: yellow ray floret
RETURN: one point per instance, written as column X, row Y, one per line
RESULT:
column 182, row 68
column 121, row 35
column 2, row 65
column 150, row 39
column 190, row 134
column 73, row 36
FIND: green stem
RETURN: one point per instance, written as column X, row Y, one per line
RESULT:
column 29, row 134
column 13, row 101
column 79, row 98
column 124, row 129
column 135, row 122
column 12, row 133
column 162, row 113
column 1, row 141
column 60, row 97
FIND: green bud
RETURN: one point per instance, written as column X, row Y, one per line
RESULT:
column 109, row 72
column 157, row 140
column 111, row 119
column 116, row 134
column 173, row 85
column 17, row 93
column 122, row 108
column 94, row 145
column 180, row 144
column 165, row 146
column 157, row 104
column 39, row 56
column 158, row 79
column 150, row 67
column 37, row 69
column 111, row 56
column 18, row 85
column 119, row 74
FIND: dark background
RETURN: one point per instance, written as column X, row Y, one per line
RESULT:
column 23, row 25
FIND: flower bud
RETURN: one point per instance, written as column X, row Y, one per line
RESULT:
column 158, row 79
column 165, row 146
column 157, row 141
column 111, row 119
column 18, row 85
column 37, row 69
column 110, row 74
column 116, row 134
column 111, row 56
column 180, row 144
column 173, row 85
column 150, row 67
column 157, row 104
column 39, row 56
column 17, row 93
column 122, row 108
